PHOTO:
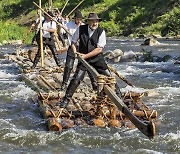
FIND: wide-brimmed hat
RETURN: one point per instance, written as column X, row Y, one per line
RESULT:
column 77, row 14
column 93, row 16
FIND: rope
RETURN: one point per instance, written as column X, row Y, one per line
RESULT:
column 59, row 113
column 44, row 97
column 152, row 114
column 146, row 115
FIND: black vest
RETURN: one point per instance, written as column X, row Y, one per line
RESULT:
column 87, row 44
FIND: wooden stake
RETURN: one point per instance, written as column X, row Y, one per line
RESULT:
column 50, row 4
column 41, row 38
column 120, row 76
column 64, row 7
column 53, row 19
column 74, row 8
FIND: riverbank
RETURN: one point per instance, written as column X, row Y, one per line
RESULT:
column 120, row 17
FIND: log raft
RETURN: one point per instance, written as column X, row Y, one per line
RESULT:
column 83, row 109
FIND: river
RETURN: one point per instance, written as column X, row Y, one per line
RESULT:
column 23, row 130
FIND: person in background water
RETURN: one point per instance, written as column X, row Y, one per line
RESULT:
column 92, row 40
column 70, row 58
column 48, row 28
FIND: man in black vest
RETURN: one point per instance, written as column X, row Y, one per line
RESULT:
column 48, row 28
column 92, row 40
column 70, row 58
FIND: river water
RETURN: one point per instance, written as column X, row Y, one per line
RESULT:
column 23, row 130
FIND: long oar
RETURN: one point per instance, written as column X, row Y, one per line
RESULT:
column 64, row 7
column 74, row 8
column 24, row 39
column 53, row 19
column 147, row 128
column 41, row 38
column 120, row 76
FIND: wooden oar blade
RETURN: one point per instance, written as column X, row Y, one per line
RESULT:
column 147, row 128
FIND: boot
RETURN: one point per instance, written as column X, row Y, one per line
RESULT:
column 36, row 60
column 56, row 58
column 65, row 102
column 66, row 75
column 93, row 82
column 78, row 76
column 69, row 93
column 67, row 71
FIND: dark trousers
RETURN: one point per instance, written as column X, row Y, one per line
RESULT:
column 70, row 58
column 78, row 77
column 50, row 43
column 62, row 39
column 67, row 71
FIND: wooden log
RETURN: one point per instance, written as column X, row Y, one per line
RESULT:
column 48, row 112
column 57, row 78
column 50, row 96
column 54, row 125
column 32, row 53
column 24, row 60
column 149, row 114
column 41, row 84
column 99, row 122
column 67, row 123
column 47, row 83
column 30, row 83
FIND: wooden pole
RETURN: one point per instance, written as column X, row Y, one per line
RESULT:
column 74, row 8
column 120, row 76
column 41, row 38
column 50, row 4
column 53, row 19
column 64, row 7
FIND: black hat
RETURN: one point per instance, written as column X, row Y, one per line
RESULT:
column 93, row 16
column 77, row 14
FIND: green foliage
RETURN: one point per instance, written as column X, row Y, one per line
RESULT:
column 11, row 31
column 120, row 17
column 111, row 28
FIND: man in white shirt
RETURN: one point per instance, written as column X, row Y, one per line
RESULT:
column 92, row 40
column 36, row 27
column 48, row 28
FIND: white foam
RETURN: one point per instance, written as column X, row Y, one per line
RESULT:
column 169, row 90
column 173, row 136
column 4, row 75
column 23, row 91
column 148, row 151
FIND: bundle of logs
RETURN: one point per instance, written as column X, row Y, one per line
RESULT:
column 100, row 112
column 88, row 109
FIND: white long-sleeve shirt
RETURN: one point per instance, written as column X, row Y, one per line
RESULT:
column 71, row 26
column 48, row 25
